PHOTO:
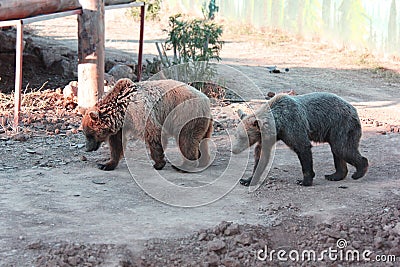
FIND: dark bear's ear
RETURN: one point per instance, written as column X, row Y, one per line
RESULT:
column 256, row 124
column 94, row 115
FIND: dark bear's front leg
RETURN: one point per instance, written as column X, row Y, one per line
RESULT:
column 305, row 156
column 116, row 150
column 257, row 153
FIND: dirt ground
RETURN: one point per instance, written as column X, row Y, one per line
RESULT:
column 58, row 209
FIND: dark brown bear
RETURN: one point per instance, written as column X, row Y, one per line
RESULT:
column 319, row 117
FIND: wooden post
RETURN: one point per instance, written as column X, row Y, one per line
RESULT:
column 18, row 72
column 90, row 53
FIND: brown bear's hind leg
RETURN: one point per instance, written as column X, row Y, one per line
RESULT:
column 341, row 169
column 156, row 152
column 189, row 147
column 190, row 151
column 116, row 149
column 204, row 152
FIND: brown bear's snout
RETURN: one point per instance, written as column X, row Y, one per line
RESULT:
column 92, row 145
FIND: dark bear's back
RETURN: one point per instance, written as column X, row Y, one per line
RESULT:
column 329, row 116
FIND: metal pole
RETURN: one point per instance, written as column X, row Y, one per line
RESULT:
column 19, row 47
column 140, row 59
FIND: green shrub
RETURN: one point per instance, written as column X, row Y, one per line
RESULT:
column 193, row 39
column 153, row 8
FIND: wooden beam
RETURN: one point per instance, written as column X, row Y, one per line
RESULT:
column 90, row 53
column 19, row 9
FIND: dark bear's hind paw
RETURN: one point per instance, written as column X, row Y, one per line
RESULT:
column 359, row 174
column 245, row 182
column 361, row 169
column 335, row 177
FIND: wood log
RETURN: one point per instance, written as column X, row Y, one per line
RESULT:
column 17, row 9
column 91, row 48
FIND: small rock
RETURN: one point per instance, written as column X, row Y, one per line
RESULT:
column 122, row 71
column 332, row 233
column 396, row 228
column 356, row 244
column 98, row 182
column 244, row 239
column 212, row 260
column 232, row 230
column 229, row 262
column 21, row 137
column 92, row 259
column 83, row 158
column 36, row 245
column 72, row 261
column 30, row 151
column 395, row 251
column 220, row 228
column 353, row 230
column 80, row 146
column 378, row 242
column 202, row 236
column 271, row 94
column 216, row 245
column 330, row 240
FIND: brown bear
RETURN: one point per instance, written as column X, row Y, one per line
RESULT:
column 319, row 117
column 153, row 111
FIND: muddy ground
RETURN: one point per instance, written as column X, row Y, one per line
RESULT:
column 58, row 209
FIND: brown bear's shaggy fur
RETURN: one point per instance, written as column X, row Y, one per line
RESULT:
column 320, row 117
column 153, row 111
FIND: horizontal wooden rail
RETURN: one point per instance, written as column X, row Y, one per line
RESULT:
column 19, row 24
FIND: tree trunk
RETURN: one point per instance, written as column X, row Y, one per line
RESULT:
column 90, row 53
column 17, row 9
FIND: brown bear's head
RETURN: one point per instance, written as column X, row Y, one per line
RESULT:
column 94, row 129
column 247, row 133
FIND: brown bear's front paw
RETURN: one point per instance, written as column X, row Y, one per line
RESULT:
column 159, row 165
column 107, row 167
column 179, row 169
column 245, row 182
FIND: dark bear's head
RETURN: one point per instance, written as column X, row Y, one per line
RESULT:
column 247, row 133
column 94, row 129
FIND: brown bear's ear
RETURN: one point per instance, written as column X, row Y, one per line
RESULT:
column 94, row 115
